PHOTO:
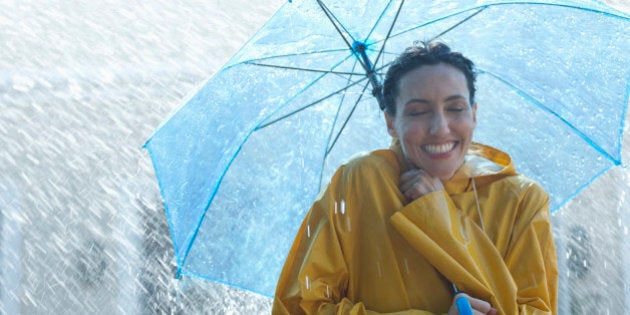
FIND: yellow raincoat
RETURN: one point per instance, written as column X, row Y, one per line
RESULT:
column 363, row 249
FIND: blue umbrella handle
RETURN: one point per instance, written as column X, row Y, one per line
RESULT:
column 463, row 306
column 462, row 303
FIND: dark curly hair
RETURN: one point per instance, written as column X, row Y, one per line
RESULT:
column 418, row 55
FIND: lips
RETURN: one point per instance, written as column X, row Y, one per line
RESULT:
column 439, row 148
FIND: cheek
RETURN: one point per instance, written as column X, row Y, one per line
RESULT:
column 411, row 130
column 464, row 126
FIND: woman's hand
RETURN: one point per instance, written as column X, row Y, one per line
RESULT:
column 479, row 307
column 416, row 183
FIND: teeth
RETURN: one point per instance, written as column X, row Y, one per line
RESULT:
column 439, row 148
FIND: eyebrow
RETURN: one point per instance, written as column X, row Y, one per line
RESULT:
column 448, row 99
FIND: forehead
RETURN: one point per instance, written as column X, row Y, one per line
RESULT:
column 432, row 77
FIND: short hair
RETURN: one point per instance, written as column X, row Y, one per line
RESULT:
column 418, row 55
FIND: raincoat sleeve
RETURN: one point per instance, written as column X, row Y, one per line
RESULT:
column 515, row 269
column 314, row 278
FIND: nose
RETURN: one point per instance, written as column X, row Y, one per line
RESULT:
column 439, row 124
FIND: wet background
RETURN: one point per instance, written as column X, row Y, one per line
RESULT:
column 83, row 85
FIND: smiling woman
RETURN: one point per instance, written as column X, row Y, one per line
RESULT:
column 433, row 213
column 434, row 119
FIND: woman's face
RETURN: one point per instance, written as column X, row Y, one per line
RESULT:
column 434, row 120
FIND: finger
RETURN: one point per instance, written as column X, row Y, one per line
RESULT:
column 410, row 195
column 423, row 184
column 408, row 179
column 412, row 190
column 413, row 176
column 410, row 175
column 480, row 305
column 416, row 190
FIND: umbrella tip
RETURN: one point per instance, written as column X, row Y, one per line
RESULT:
column 359, row 46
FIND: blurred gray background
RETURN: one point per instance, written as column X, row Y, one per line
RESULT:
column 82, row 230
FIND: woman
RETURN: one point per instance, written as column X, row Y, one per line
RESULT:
column 396, row 231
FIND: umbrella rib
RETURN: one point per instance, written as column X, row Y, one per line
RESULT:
column 303, row 69
column 343, row 126
column 609, row 14
column 432, row 22
column 380, row 18
column 329, row 149
column 324, row 51
column 262, row 123
column 389, row 32
column 321, row 172
column 540, row 105
column 338, row 24
column 310, row 104
column 459, row 23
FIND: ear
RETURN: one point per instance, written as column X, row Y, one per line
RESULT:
column 390, row 125
column 474, row 113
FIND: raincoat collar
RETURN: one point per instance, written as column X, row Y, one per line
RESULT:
column 483, row 163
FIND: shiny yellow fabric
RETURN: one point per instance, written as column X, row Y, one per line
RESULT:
column 363, row 249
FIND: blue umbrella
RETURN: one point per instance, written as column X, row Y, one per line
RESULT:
column 242, row 160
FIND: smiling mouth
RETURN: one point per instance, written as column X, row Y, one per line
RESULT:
column 439, row 148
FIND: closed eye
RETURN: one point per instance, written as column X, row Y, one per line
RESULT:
column 417, row 112
column 456, row 108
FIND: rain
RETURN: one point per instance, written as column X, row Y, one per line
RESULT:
column 82, row 227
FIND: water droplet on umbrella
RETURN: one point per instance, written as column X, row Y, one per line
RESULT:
column 308, row 284
column 406, row 266
column 327, row 292
column 308, row 231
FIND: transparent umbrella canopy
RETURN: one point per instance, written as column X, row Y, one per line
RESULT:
column 240, row 162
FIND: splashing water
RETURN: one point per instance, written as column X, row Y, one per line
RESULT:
column 82, row 85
